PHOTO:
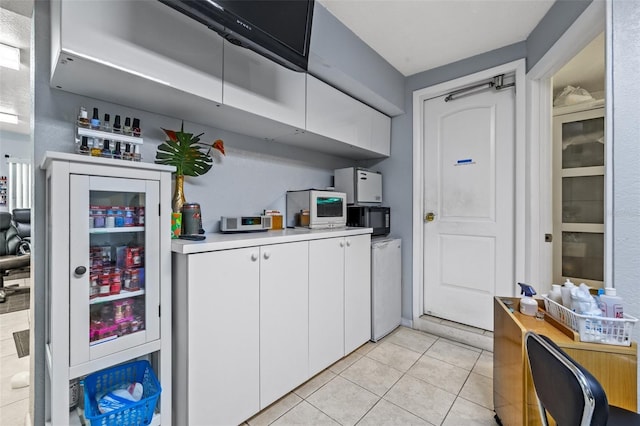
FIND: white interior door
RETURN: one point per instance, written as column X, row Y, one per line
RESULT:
column 469, row 155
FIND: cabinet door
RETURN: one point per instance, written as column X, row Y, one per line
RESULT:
column 260, row 86
column 338, row 116
column 114, row 271
column 578, row 199
column 357, row 292
column 140, row 39
column 223, row 384
column 326, row 303
column 381, row 133
column 284, row 319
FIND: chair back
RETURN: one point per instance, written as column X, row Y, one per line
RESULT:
column 567, row 391
column 22, row 222
column 5, row 227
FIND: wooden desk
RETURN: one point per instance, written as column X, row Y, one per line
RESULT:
column 514, row 397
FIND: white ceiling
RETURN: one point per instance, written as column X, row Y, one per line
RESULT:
column 412, row 35
column 418, row 35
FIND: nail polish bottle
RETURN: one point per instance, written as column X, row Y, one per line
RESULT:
column 116, row 125
column 96, row 151
column 106, row 148
column 136, row 153
column 106, row 125
column 95, row 121
column 136, row 127
column 127, row 152
column 127, row 126
column 117, row 153
column 83, row 120
column 84, row 147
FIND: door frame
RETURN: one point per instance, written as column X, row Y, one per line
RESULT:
column 421, row 95
column 539, row 267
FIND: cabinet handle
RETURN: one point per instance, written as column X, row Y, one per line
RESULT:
column 267, row 254
column 348, row 243
column 254, row 256
column 341, row 243
column 80, row 271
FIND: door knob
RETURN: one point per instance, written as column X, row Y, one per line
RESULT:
column 254, row 256
column 80, row 271
column 267, row 255
column 430, row 217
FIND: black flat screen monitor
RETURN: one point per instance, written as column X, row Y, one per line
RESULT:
column 277, row 29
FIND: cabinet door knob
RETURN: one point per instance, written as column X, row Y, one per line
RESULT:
column 267, row 254
column 254, row 256
column 348, row 243
column 341, row 243
column 80, row 271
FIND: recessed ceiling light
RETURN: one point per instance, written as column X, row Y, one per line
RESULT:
column 8, row 118
column 9, row 57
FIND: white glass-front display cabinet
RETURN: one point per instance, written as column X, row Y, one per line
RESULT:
column 108, row 273
column 114, row 270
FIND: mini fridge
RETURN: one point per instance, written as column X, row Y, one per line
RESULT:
column 386, row 286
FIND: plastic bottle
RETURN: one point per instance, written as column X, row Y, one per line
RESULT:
column 566, row 294
column 612, row 304
column 556, row 293
column 528, row 306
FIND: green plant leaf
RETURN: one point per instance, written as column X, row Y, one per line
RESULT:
column 184, row 153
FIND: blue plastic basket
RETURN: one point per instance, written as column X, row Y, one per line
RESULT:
column 138, row 413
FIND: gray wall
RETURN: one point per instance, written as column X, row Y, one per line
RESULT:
column 273, row 168
column 353, row 67
column 624, row 98
column 557, row 20
column 254, row 175
column 398, row 168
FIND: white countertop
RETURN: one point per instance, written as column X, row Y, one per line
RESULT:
column 218, row 241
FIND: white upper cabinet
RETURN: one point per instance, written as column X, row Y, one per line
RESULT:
column 137, row 53
column 338, row 116
column 258, row 85
column 146, row 55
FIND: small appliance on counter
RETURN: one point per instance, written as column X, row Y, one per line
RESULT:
column 362, row 186
column 191, row 219
column 316, row 209
column 245, row 223
column 376, row 217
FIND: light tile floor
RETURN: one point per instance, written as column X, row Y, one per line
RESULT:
column 14, row 403
column 408, row 378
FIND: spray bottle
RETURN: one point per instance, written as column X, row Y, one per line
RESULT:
column 528, row 305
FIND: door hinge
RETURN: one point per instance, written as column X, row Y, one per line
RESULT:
column 158, row 310
column 159, row 210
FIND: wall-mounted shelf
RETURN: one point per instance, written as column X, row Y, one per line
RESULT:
column 92, row 133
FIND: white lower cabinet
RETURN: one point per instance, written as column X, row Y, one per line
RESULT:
column 253, row 323
column 223, row 343
column 326, row 303
column 284, row 312
column 357, row 292
column 339, row 298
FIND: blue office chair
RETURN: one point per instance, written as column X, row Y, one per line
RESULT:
column 567, row 391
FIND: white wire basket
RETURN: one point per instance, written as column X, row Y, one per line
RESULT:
column 610, row 331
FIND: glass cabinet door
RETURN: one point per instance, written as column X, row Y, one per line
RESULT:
column 114, row 268
column 579, row 148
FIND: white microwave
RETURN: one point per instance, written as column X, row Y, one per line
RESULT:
column 317, row 209
column 363, row 187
